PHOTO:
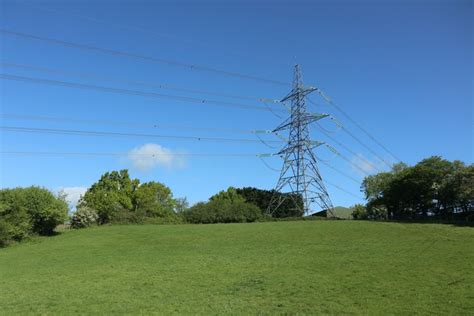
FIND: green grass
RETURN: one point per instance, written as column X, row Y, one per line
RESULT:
column 309, row 267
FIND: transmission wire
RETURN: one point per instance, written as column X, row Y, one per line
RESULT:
column 128, row 91
column 141, row 57
column 100, row 133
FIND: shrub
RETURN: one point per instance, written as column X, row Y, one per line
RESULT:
column 119, row 199
column 84, row 217
column 171, row 219
column 201, row 213
column 46, row 211
column 15, row 224
column 25, row 211
column 262, row 199
column 360, row 212
column 5, row 233
column 222, row 211
column 124, row 216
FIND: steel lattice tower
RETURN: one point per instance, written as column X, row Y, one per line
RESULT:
column 300, row 174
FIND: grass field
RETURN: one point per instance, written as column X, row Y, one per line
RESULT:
column 309, row 267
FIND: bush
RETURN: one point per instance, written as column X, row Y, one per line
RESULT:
column 46, row 211
column 173, row 219
column 15, row 224
column 6, row 235
column 222, row 211
column 26, row 211
column 360, row 212
column 119, row 199
column 84, row 217
column 200, row 213
column 262, row 199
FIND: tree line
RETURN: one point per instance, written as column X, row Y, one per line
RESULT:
column 116, row 198
column 433, row 188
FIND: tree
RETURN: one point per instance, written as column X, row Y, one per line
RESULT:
column 224, row 207
column 111, row 195
column 230, row 195
column 262, row 198
column 15, row 224
column 359, row 212
column 32, row 210
column 181, row 205
column 464, row 182
column 84, row 217
column 46, row 210
column 153, row 199
column 118, row 198
column 434, row 186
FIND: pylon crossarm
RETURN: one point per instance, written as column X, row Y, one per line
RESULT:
column 265, row 100
column 285, row 125
column 313, row 117
column 315, row 143
column 297, row 92
column 265, row 155
column 281, row 137
column 261, row 131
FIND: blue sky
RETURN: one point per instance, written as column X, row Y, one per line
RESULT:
column 402, row 69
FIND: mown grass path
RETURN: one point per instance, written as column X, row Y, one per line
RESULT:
column 309, row 267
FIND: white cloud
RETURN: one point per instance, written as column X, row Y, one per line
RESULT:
column 73, row 194
column 150, row 156
column 361, row 163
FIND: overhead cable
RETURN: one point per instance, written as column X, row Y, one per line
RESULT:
column 128, row 92
column 358, row 140
column 145, row 58
column 133, row 82
column 345, row 147
column 137, row 125
column 101, row 133
column 94, row 154
column 343, row 190
column 328, row 100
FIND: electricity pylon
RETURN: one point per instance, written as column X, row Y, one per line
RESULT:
column 299, row 176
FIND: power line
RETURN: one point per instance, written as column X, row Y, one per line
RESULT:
column 94, row 154
column 100, row 133
column 328, row 100
column 353, row 164
column 122, row 123
column 358, row 140
column 339, row 171
column 111, row 154
column 128, row 92
column 345, row 147
column 126, row 27
column 365, row 146
column 343, row 190
column 133, row 82
column 133, row 28
column 141, row 57
column 326, row 164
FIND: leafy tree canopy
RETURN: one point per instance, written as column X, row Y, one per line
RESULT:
column 116, row 195
column 27, row 211
column 433, row 186
column 262, row 198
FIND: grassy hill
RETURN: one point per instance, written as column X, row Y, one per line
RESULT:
column 284, row 267
column 340, row 212
column 343, row 212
